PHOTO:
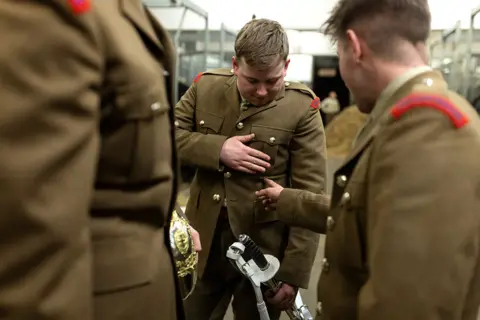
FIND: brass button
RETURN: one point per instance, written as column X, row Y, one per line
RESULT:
column 227, row 175
column 221, row 168
column 272, row 140
column 176, row 123
column 345, row 199
column 325, row 265
column 216, row 197
column 225, row 202
column 330, row 223
column 428, row 82
column 202, row 122
column 240, row 125
column 342, row 181
column 155, row 106
column 287, row 84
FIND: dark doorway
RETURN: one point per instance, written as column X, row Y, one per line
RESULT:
column 326, row 78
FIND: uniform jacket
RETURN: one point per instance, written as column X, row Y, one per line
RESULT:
column 85, row 132
column 403, row 231
column 289, row 130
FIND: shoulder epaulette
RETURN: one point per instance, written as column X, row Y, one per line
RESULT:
column 215, row 72
column 292, row 85
column 220, row 72
column 79, row 6
column 422, row 100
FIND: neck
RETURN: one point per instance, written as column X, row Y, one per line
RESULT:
column 388, row 72
column 385, row 71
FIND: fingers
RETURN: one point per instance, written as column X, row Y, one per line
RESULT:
column 258, row 162
column 246, row 138
column 271, row 183
column 245, row 169
column 282, row 299
column 196, row 240
column 252, row 166
column 258, row 154
column 264, row 193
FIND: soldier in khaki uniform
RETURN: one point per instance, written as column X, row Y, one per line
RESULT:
column 88, row 168
column 403, row 223
column 277, row 133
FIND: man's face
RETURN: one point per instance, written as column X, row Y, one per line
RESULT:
column 353, row 69
column 259, row 87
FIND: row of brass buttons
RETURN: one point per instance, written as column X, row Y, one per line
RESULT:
column 341, row 181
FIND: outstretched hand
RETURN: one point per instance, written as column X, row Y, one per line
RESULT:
column 270, row 194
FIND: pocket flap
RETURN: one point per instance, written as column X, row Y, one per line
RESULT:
column 137, row 103
column 205, row 119
column 271, row 135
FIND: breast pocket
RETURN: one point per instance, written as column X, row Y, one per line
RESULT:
column 131, row 120
column 274, row 142
column 207, row 122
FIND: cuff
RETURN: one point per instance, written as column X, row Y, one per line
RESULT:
column 286, row 205
column 292, row 273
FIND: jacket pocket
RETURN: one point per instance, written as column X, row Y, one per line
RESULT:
column 272, row 141
column 135, row 131
column 207, row 122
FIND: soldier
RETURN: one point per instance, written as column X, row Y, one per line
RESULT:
column 403, row 228
column 275, row 132
column 330, row 106
column 88, row 177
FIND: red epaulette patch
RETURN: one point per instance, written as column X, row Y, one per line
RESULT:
column 197, row 77
column 79, row 6
column 315, row 103
column 430, row 101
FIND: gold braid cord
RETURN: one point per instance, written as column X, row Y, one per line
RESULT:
column 184, row 253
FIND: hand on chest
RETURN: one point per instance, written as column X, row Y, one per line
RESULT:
column 273, row 129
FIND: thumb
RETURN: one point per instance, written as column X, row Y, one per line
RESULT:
column 246, row 138
column 270, row 183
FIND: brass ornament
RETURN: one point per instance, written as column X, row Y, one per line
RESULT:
column 184, row 253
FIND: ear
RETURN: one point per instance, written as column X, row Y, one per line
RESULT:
column 235, row 65
column 285, row 68
column 354, row 43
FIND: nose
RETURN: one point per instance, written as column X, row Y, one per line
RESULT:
column 261, row 91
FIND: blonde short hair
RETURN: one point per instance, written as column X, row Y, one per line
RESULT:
column 261, row 43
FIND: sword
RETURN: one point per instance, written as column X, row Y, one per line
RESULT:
column 261, row 268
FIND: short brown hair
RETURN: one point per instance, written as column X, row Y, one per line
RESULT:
column 381, row 22
column 261, row 42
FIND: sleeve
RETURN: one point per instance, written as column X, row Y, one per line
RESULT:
column 192, row 145
column 50, row 73
column 304, row 209
column 307, row 172
column 423, row 228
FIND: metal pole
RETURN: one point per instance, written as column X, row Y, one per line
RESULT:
column 222, row 45
column 467, row 70
column 177, row 46
column 447, row 34
column 206, row 40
